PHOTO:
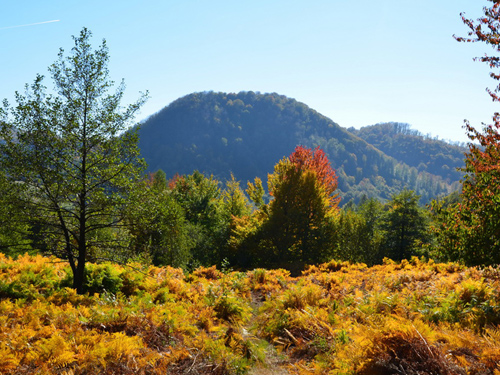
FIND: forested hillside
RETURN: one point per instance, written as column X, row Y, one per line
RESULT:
column 246, row 133
column 415, row 149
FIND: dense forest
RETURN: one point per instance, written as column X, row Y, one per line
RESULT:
column 415, row 149
column 246, row 133
column 233, row 253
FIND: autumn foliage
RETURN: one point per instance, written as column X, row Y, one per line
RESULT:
column 480, row 209
column 485, row 29
column 338, row 318
column 316, row 160
column 470, row 230
column 297, row 226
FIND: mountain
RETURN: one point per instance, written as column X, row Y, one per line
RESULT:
column 415, row 149
column 248, row 133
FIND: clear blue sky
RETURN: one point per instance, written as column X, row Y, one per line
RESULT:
column 357, row 62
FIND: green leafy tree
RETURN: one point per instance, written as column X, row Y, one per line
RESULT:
column 351, row 237
column 358, row 233
column 450, row 236
column 299, row 214
column 159, row 180
column 157, row 224
column 69, row 154
column 371, row 210
column 233, row 202
column 404, row 225
column 304, row 206
column 296, row 226
column 233, row 205
column 256, row 192
column 14, row 234
column 199, row 196
column 469, row 230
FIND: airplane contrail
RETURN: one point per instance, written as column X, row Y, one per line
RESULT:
column 30, row 24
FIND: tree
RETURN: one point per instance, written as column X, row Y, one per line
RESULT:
column 358, row 236
column 14, row 234
column 159, row 180
column 351, row 237
column 199, row 196
column 256, row 192
column 233, row 205
column 317, row 161
column 476, row 240
column 300, row 213
column 157, row 224
column 404, row 225
column 296, row 226
column 69, row 154
column 486, row 29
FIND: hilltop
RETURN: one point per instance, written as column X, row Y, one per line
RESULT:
column 415, row 149
column 247, row 133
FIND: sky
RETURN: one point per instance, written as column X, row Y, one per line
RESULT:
column 357, row 62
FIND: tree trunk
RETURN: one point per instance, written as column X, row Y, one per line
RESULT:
column 79, row 276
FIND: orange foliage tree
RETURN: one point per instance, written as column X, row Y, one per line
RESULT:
column 317, row 161
column 297, row 226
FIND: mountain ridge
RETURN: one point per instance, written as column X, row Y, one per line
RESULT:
column 247, row 133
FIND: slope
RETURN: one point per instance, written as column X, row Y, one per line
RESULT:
column 247, row 133
column 415, row 149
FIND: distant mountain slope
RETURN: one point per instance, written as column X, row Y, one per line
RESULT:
column 416, row 150
column 248, row 133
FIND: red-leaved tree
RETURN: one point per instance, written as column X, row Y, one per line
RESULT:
column 316, row 160
column 301, row 215
column 476, row 223
column 297, row 226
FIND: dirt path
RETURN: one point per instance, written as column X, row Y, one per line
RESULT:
column 273, row 361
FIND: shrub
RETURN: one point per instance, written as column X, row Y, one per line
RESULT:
column 99, row 278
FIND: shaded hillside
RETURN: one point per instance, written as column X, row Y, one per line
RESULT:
column 413, row 148
column 247, row 133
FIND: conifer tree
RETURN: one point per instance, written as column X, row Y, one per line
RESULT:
column 404, row 225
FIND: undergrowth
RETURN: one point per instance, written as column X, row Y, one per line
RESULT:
column 413, row 317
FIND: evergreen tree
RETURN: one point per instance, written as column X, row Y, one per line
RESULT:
column 404, row 225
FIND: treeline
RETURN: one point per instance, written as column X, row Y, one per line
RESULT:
column 215, row 223
column 196, row 220
column 72, row 184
